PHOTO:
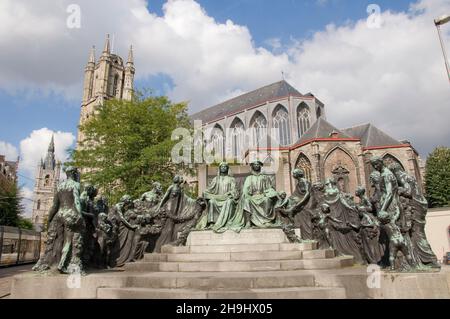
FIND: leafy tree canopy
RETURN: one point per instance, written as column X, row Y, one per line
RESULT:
column 127, row 145
column 437, row 177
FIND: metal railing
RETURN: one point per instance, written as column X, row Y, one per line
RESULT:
column 19, row 246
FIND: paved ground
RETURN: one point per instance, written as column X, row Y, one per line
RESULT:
column 6, row 275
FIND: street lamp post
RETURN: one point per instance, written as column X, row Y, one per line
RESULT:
column 438, row 22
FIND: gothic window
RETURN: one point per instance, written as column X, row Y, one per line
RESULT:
column 258, row 126
column 340, row 173
column 47, row 180
column 218, row 143
column 237, row 138
column 388, row 159
column 304, row 164
column 281, row 125
column 38, row 206
column 116, row 82
column 303, row 119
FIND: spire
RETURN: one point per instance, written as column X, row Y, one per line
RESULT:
column 107, row 45
column 51, row 146
column 130, row 55
column 92, row 55
column 49, row 162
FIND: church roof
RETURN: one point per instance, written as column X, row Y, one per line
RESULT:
column 371, row 136
column 240, row 103
column 321, row 129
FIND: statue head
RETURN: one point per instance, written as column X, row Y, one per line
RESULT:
column 375, row 178
column 178, row 179
column 360, row 191
column 157, row 187
column 384, row 217
column 377, row 163
column 91, row 190
column 256, row 165
column 71, row 173
column 126, row 200
column 330, row 182
column 298, row 173
column 224, row 168
column 396, row 168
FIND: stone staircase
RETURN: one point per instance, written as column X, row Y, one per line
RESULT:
column 256, row 263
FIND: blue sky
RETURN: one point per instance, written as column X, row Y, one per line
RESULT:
column 284, row 19
column 384, row 76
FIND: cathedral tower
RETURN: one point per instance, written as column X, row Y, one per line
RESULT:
column 105, row 79
column 47, row 179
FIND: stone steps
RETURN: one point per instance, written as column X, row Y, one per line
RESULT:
column 233, row 280
column 228, row 248
column 240, row 256
column 250, row 265
column 260, row 293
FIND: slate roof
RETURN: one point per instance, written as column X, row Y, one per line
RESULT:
column 240, row 103
column 371, row 136
column 321, row 129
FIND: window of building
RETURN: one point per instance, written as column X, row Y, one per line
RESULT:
column 218, row 143
column 304, row 164
column 38, row 206
column 47, row 180
column 116, row 81
column 303, row 119
column 237, row 139
column 281, row 125
column 258, row 126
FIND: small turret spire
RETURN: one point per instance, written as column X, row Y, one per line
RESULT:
column 130, row 55
column 107, row 48
column 51, row 146
column 92, row 55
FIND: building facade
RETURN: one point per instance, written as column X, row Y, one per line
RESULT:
column 286, row 130
column 8, row 171
column 107, row 78
column 47, row 180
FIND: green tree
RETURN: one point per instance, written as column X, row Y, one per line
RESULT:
column 437, row 177
column 10, row 205
column 127, row 145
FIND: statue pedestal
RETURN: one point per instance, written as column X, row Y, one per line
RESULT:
column 245, row 237
column 255, row 263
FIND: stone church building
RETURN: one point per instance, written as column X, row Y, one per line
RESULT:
column 47, row 180
column 277, row 121
column 290, row 127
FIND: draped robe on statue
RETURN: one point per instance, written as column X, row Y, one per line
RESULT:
column 222, row 195
column 343, row 238
column 302, row 201
column 258, row 201
column 174, row 203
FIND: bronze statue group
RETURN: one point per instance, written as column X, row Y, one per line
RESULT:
column 387, row 228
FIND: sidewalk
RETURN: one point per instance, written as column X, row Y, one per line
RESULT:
column 6, row 275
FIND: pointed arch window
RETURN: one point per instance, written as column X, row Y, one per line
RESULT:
column 303, row 119
column 281, row 125
column 389, row 159
column 38, row 206
column 304, row 164
column 218, row 143
column 259, row 130
column 116, row 83
column 237, row 139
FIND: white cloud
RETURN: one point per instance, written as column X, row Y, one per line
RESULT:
column 393, row 76
column 27, row 201
column 9, row 150
column 34, row 148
